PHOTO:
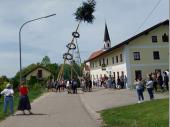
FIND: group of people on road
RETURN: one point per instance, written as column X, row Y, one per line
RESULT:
column 111, row 82
column 61, row 85
column 151, row 84
column 70, row 85
column 24, row 103
column 58, row 86
column 86, row 85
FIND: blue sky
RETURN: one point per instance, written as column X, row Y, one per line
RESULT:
column 50, row 36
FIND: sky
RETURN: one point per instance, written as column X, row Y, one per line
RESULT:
column 48, row 37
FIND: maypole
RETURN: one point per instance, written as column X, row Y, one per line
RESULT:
column 83, row 13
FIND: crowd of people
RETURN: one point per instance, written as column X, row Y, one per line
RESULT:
column 151, row 84
column 111, row 82
column 70, row 85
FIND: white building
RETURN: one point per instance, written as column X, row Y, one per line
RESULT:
column 137, row 56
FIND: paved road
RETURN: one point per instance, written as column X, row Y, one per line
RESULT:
column 68, row 110
column 54, row 110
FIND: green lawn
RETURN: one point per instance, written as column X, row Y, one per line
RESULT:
column 148, row 114
column 34, row 93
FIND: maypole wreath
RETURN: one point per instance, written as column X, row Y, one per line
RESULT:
column 83, row 13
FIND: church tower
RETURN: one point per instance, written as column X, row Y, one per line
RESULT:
column 107, row 43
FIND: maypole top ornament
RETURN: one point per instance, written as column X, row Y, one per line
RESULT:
column 85, row 12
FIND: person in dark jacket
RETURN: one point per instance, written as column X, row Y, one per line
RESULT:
column 154, row 77
column 166, row 80
column 160, row 81
column 74, row 86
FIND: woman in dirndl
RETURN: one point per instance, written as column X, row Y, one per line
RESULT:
column 24, row 103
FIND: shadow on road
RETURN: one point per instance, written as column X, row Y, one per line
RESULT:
column 34, row 114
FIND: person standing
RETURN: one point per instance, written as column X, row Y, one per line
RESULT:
column 149, row 86
column 154, row 81
column 139, row 89
column 24, row 103
column 83, row 85
column 74, row 85
column 166, row 80
column 90, row 85
column 68, row 86
column 122, row 81
column 118, row 83
column 160, row 81
column 8, row 98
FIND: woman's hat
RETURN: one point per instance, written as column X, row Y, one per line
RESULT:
column 8, row 85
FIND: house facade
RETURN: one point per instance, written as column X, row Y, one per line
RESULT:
column 39, row 72
column 139, row 55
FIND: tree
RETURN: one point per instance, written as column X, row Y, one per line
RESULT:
column 85, row 12
column 54, row 68
column 45, row 61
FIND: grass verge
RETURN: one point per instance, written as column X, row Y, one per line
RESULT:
column 34, row 93
column 148, row 114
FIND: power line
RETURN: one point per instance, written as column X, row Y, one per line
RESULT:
column 149, row 15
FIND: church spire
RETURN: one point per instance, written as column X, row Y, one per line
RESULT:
column 107, row 43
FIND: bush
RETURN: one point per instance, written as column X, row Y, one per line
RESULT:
column 32, row 81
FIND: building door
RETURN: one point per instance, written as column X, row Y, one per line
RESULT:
column 138, row 74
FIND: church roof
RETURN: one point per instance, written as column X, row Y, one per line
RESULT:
column 106, row 34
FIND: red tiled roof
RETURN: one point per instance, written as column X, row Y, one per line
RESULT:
column 95, row 54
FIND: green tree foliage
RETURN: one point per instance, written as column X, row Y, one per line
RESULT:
column 45, row 61
column 85, row 12
column 32, row 80
column 3, row 81
column 67, row 71
column 54, row 68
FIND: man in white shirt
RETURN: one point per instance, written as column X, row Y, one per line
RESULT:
column 8, row 98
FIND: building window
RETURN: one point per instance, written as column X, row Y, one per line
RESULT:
column 103, row 61
column 121, row 58
column 107, row 61
column 136, row 55
column 100, row 63
column 138, row 74
column 113, row 60
column 122, row 73
column 117, row 59
column 95, row 64
column 39, row 74
column 117, row 74
column 154, row 39
column 165, row 38
column 156, row 55
column 114, row 74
